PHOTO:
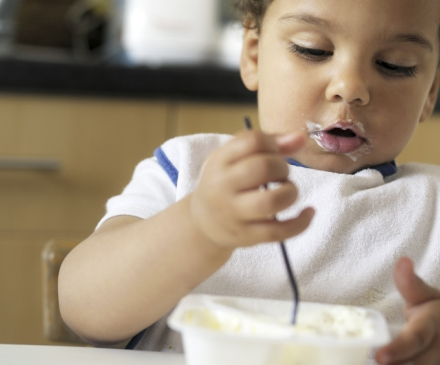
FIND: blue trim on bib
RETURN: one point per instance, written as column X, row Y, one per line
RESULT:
column 295, row 163
column 166, row 164
column 135, row 340
column 386, row 169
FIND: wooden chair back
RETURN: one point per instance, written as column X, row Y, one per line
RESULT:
column 53, row 254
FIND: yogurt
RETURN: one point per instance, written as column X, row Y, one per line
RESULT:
column 335, row 322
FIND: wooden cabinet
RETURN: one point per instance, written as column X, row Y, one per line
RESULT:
column 190, row 118
column 93, row 145
column 96, row 144
column 424, row 146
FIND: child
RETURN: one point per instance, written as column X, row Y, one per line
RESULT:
column 341, row 87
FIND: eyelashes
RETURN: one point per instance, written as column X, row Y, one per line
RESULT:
column 395, row 70
column 311, row 54
column 319, row 55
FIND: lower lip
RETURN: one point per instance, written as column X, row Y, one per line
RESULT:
column 338, row 144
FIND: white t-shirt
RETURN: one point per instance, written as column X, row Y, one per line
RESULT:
column 363, row 224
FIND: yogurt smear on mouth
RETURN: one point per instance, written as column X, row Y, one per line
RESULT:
column 352, row 146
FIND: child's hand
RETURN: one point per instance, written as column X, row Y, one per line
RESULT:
column 229, row 206
column 419, row 341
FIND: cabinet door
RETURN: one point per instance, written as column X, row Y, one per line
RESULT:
column 190, row 118
column 424, row 146
column 95, row 145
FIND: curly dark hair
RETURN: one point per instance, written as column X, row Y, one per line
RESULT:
column 250, row 12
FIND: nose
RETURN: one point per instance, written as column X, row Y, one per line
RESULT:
column 348, row 84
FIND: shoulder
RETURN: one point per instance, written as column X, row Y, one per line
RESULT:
column 195, row 144
column 417, row 175
column 185, row 156
column 193, row 148
column 418, row 170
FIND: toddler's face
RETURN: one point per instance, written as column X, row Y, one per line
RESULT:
column 357, row 75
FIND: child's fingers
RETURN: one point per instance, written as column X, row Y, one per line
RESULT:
column 290, row 143
column 247, row 143
column 271, row 231
column 416, row 338
column 250, row 142
column 258, row 170
column 261, row 204
column 413, row 289
column 422, row 310
column 430, row 356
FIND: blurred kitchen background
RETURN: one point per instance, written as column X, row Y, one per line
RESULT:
column 88, row 88
column 149, row 32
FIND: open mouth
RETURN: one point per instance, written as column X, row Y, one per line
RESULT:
column 339, row 139
column 339, row 132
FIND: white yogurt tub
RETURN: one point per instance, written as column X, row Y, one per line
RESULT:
column 239, row 331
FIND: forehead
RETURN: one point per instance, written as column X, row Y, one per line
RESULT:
column 367, row 16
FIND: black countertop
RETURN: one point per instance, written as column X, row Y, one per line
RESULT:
column 198, row 83
column 204, row 83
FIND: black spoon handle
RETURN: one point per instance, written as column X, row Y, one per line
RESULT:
column 293, row 284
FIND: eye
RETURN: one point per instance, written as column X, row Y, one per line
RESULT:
column 394, row 70
column 311, row 54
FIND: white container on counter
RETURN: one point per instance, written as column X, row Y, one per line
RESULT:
column 235, row 331
column 158, row 32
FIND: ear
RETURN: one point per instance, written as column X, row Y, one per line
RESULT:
column 249, row 59
column 431, row 99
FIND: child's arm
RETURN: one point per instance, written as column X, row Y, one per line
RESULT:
column 419, row 341
column 131, row 271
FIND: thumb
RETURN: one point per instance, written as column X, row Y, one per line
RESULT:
column 413, row 289
column 290, row 143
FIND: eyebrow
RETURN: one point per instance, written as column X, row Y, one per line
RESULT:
column 411, row 38
column 329, row 26
column 308, row 19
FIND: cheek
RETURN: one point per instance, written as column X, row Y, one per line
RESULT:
column 286, row 95
column 402, row 105
column 395, row 125
column 283, row 108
